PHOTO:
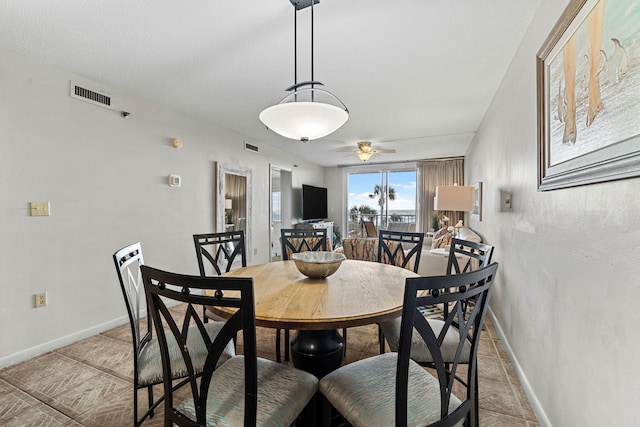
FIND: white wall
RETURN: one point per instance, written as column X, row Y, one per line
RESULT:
column 566, row 296
column 106, row 180
column 334, row 179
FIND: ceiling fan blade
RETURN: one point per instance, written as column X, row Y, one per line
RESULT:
column 383, row 151
column 346, row 150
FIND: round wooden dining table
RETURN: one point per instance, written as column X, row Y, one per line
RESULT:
column 359, row 293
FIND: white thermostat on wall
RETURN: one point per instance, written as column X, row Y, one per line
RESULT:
column 175, row 181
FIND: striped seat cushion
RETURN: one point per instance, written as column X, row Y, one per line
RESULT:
column 283, row 392
column 150, row 362
column 364, row 393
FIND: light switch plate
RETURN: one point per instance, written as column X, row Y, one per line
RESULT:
column 505, row 200
column 40, row 209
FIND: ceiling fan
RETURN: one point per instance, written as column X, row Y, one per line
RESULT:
column 364, row 151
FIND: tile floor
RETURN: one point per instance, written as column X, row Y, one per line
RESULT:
column 89, row 383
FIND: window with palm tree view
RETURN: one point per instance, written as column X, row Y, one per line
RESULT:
column 385, row 197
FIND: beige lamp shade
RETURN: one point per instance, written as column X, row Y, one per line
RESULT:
column 228, row 204
column 453, row 198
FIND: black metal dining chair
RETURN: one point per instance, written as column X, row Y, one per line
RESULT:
column 219, row 253
column 245, row 390
column 147, row 366
column 392, row 389
column 293, row 240
column 464, row 256
column 402, row 249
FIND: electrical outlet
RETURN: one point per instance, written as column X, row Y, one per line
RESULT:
column 41, row 299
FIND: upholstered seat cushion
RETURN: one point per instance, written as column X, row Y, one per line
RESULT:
column 211, row 315
column 150, row 362
column 364, row 393
column 283, row 392
column 419, row 351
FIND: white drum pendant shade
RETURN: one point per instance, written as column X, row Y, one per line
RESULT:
column 304, row 121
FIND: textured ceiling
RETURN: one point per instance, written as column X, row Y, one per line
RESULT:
column 416, row 75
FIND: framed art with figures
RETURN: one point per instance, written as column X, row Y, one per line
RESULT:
column 588, row 87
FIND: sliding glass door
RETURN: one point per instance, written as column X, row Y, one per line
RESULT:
column 386, row 197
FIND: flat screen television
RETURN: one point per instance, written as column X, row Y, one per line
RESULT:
column 314, row 203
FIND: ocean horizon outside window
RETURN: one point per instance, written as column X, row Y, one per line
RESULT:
column 386, row 196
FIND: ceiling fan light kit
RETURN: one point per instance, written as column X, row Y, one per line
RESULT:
column 302, row 115
column 364, row 151
column 364, row 156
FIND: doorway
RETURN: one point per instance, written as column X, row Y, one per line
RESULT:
column 280, row 212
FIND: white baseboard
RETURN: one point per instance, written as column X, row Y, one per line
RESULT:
column 538, row 410
column 28, row 353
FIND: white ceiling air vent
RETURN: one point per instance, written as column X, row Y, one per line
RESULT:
column 89, row 95
column 251, row 147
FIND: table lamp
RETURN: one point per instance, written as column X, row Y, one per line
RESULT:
column 228, row 206
column 456, row 198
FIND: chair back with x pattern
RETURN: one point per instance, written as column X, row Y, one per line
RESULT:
column 400, row 248
column 162, row 287
column 302, row 240
column 128, row 261
column 465, row 256
column 220, row 251
column 463, row 320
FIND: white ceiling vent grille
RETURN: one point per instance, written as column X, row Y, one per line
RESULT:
column 251, row 147
column 91, row 96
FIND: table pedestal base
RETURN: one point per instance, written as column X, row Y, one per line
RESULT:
column 317, row 352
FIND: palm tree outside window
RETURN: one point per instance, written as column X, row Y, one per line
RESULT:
column 382, row 196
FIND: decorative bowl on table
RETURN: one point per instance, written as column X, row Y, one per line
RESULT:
column 317, row 265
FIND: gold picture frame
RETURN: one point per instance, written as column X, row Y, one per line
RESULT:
column 588, row 81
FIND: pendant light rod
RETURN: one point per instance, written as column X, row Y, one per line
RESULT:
column 312, row 44
column 295, row 50
column 295, row 45
column 304, row 114
column 312, row 82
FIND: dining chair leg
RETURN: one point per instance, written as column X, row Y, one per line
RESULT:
column 475, row 413
column 150, row 394
column 278, row 346
column 286, row 345
column 135, row 406
column 344, row 338
column 327, row 412
column 311, row 410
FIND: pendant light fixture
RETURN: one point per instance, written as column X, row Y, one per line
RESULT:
column 304, row 114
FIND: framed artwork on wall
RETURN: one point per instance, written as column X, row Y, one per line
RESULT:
column 588, row 86
column 476, row 212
